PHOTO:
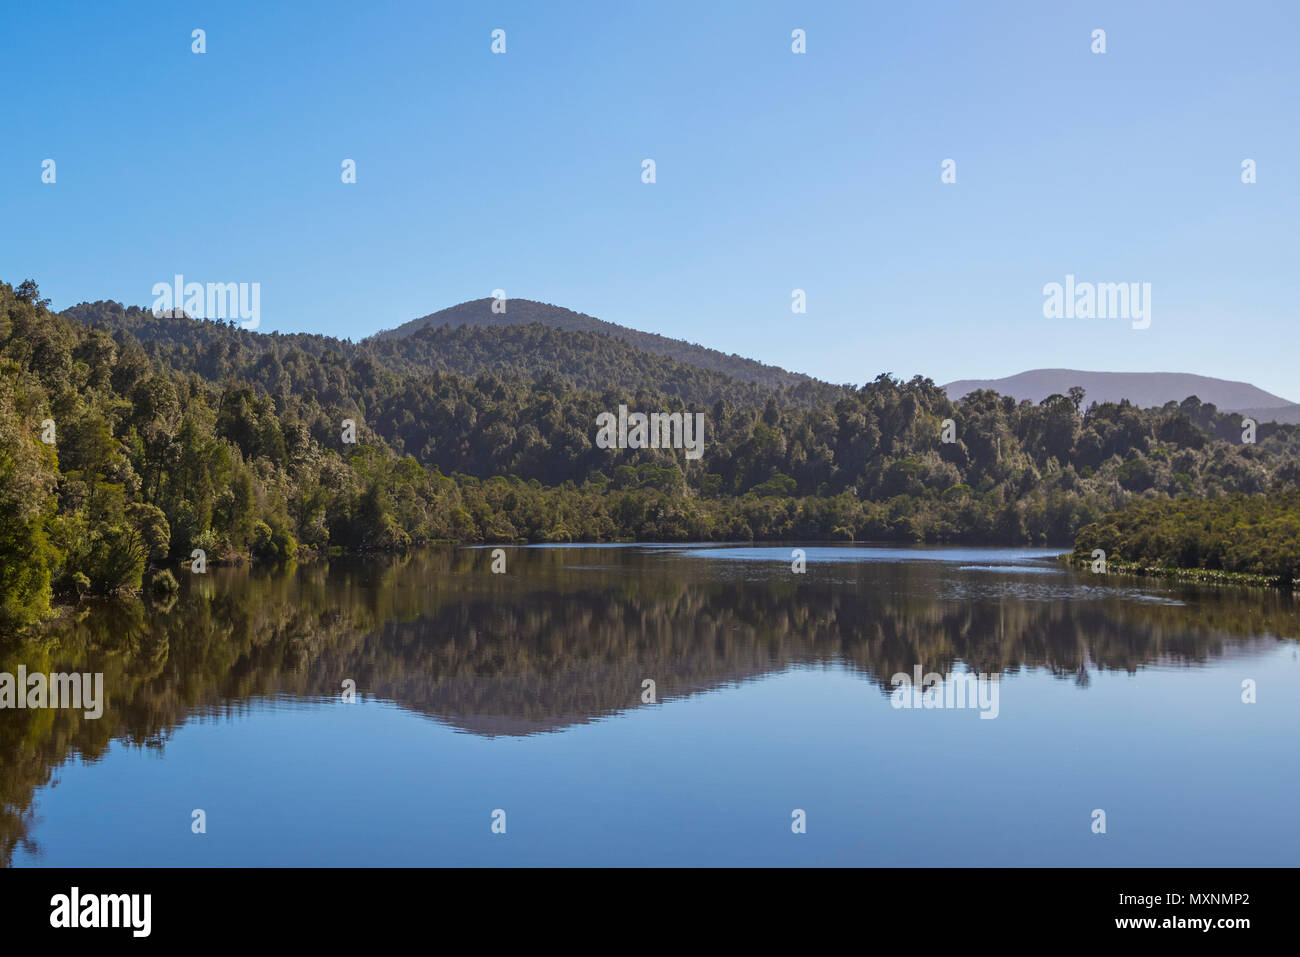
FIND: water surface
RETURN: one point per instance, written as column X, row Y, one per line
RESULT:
column 524, row 692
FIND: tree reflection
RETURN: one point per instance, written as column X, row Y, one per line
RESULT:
column 566, row 637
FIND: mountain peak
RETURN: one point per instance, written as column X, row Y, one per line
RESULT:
column 519, row 312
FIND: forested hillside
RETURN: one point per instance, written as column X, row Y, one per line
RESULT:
column 478, row 313
column 587, row 360
column 584, row 359
column 128, row 442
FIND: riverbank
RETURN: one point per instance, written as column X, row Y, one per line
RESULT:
column 1197, row 576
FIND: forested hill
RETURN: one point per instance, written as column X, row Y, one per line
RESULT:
column 478, row 312
column 585, row 360
column 126, row 445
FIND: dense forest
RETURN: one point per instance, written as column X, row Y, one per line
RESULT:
column 478, row 314
column 1257, row 535
column 586, row 360
column 128, row 440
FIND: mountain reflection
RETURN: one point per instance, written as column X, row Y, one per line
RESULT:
column 568, row 636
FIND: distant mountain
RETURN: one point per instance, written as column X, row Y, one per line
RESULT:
column 478, row 312
column 1144, row 389
column 1285, row 415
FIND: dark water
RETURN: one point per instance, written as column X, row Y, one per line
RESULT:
column 523, row 692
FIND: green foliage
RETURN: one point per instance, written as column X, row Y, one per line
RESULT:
column 175, row 434
column 532, row 338
column 1245, row 534
column 151, row 525
column 27, row 478
column 114, row 561
column 164, row 582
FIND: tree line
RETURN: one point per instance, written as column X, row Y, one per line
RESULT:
column 1257, row 535
column 171, row 434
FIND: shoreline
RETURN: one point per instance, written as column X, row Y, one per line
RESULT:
column 1190, row 576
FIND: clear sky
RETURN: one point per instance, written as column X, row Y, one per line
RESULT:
column 775, row 171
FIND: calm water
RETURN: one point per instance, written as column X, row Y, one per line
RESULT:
column 523, row 692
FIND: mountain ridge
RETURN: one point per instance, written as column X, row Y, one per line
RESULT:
column 478, row 312
column 1143, row 389
column 534, row 339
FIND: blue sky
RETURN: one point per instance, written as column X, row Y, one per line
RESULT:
column 775, row 171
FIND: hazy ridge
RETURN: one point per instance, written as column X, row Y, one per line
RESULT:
column 1143, row 389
